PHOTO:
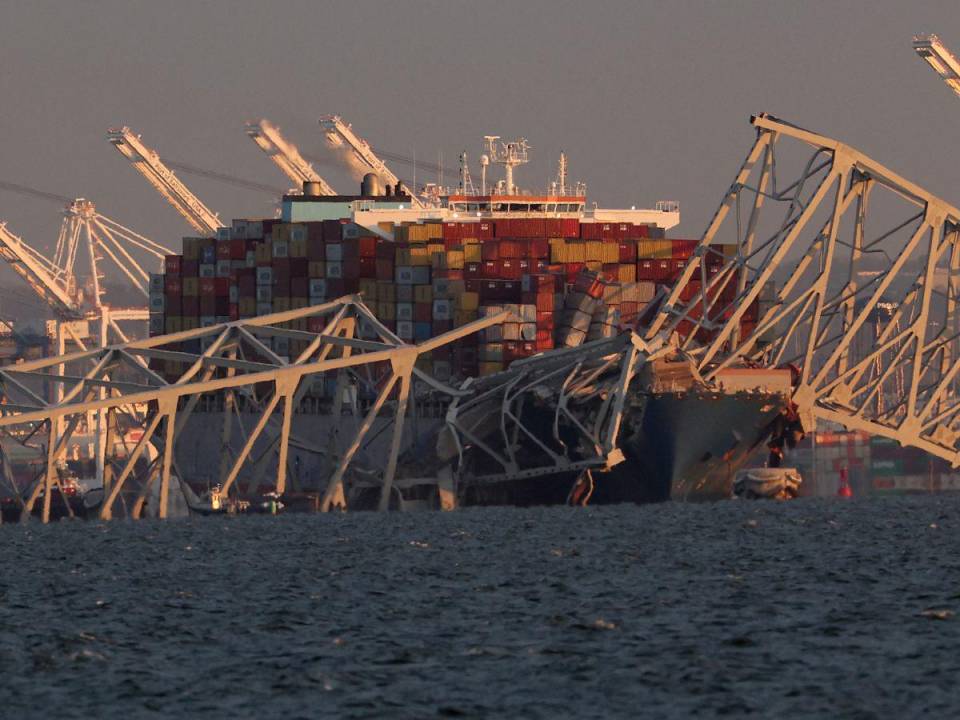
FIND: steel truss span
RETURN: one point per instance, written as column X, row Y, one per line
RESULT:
column 864, row 266
column 236, row 363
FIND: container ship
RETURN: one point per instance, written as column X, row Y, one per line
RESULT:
column 567, row 274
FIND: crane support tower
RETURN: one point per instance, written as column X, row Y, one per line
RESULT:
column 340, row 134
column 149, row 164
column 939, row 58
column 286, row 155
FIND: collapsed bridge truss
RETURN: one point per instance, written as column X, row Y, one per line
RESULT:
column 237, row 362
column 866, row 273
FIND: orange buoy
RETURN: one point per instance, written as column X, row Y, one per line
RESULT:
column 844, row 490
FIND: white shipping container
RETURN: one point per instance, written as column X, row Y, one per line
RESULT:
column 234, row 294
column 405, row 330
column 264, row 308
column 223, row 268
column 208, row 270
column 441, row 288
column 528, row 313
column 334, row 270
column 156, row 282
column 318, row 288
column 254, row 229
column 298, row 233
column 239, row 230
column 404, row 293
column 279, row 249
column 511, row 331
column 207, row 321
column 403, row 273
column 334, row 252
column 251, row 261
column 223, row 233
column 528, row 331
column 421, row 274
column 494, row 333
column 264, row 293
column 156, row 323
column 442, row 309
column 156, row 303
column 405, row 311
column 264, row 276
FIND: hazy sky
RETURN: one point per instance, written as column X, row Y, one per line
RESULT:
column 650, row 100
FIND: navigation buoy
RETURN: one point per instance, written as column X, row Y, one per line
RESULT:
column 844, row 490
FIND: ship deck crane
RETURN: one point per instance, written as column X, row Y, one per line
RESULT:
column 149, row 164
column 340, row 134
column 939, row 58
column 286, row 155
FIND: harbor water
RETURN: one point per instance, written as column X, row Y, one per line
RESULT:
column 811, row 608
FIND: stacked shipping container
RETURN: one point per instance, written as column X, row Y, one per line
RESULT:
column 562, row 281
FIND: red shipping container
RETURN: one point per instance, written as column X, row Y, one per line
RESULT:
column 610, row 270
column 281, row 271
column 234, row 311
column 510, row 351
column 532, row 228
column 472, row 284
column 571, row 270
column 422, row 312
column 553, row 227
column 299, row 267
column 208, row 287
column 368, row 267
column 221, row 287
column 483, row 230
column 441, row 326
column 491, row 270
column 503, row 228
column 509, row 249
column 490, row 250
column 627, row 251
column 189, row 307
column 545, row 343
column 589, row 231
column 367, row 246
column 190, row 268
column 510, row 269
column 172, row 285
column 386, row 248
column 332, row 231
column 473, row 270
column 607, row 230
column 663, row 270
column 171, row 264
column 238, row 250
column 351, row 270
column 646, row 271
column 247, row 282
column 538, row 248
column 223, row 249
column 450, row 274
column 208, row 305
column 452, row 231
column 299, row 287
column 683, row 249
column 173, row 305
column 569, row 227
column 316, row 324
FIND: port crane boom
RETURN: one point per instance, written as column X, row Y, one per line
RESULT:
column 286, row 155
column 940, row 59
column 44, row 277
column 149, row 164
column 340, row 134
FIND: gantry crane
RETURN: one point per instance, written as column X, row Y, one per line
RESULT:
column 149, row 164
column 286, row 155
column 939, row 58
column 341, row 136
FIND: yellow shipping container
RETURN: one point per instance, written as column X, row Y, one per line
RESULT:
column 576, row 252
column 281, row 232
column 316, row 269
column 264, row 252
column 627, row 273
column 173, row 324
column 295, row 304
column 435, row 247
column 386, row 225
column 594, row 266
column 386, row 290
column 368, row 288
column 462, row 317
column 472, row 253
column 418, row 233
column 281, row 303
column 468, row 301
column 434, row 230
column 558, row 250
column 401, row 233
column 593, row 251
column 455, row 259
column 418, row 255
column 298, row 247
column 611, row 252
column 386, row 311
column 490, row 368
column 423, row 293
column 729, row 250
column 189, row 322
column 191, row 248
column 402, row 257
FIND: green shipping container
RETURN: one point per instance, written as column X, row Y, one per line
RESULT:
column 886, row 466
